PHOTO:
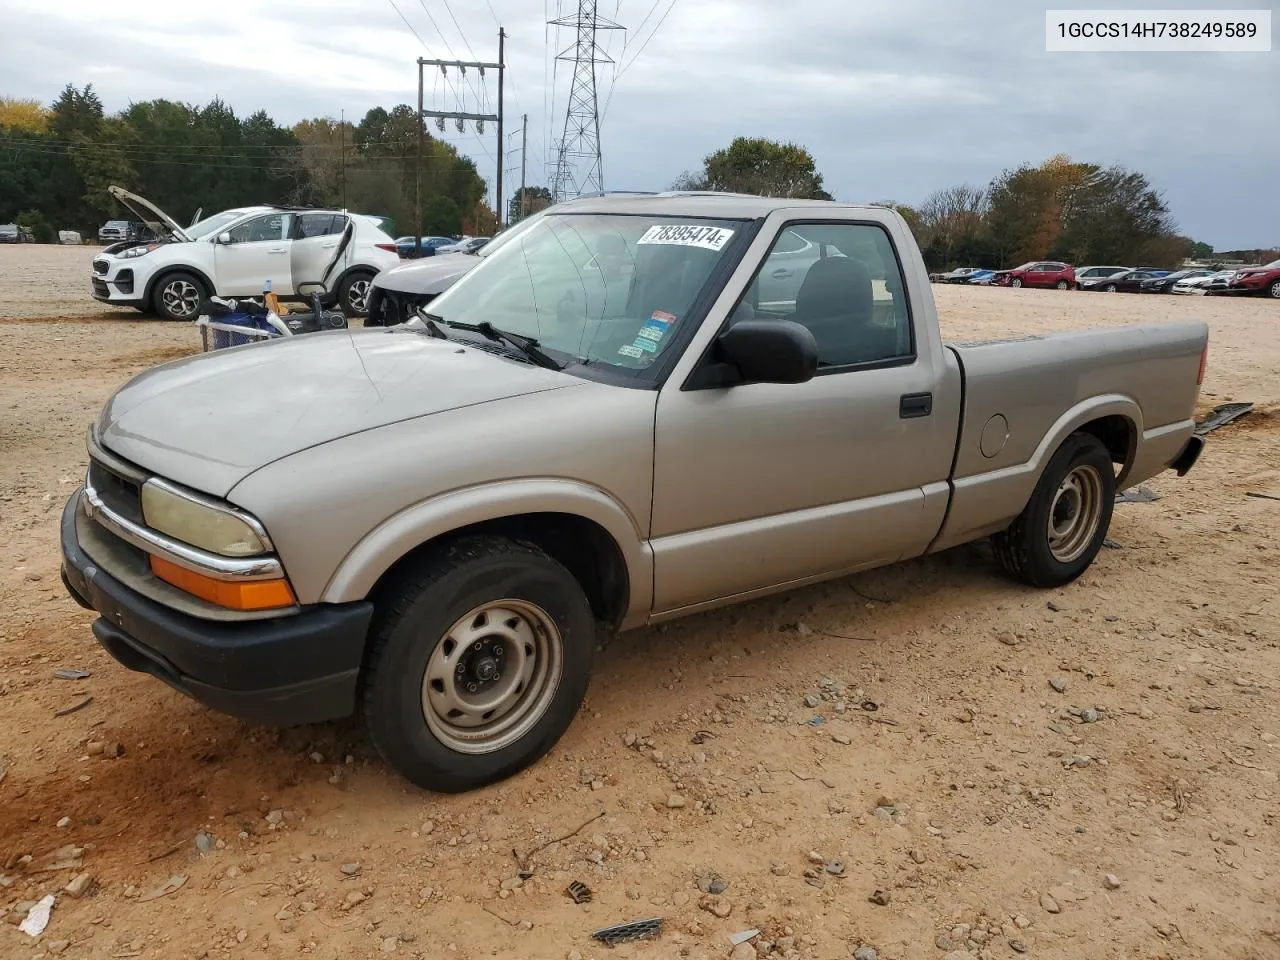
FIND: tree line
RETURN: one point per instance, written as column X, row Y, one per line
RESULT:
column 1060, row 210
column 57, row 161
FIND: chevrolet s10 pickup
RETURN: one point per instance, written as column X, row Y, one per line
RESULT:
column 636, row 407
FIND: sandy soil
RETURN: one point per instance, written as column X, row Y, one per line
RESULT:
column 960, row 798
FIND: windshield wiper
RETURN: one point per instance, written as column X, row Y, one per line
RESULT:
column 526, row 345
column 432, row 323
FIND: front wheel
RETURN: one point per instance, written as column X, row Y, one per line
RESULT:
column 1110, row 288
column 480, row 659
column 1063, row 285
column 1016, row 282
column 1062, row 527
column 178, row 296
column 1274, row 290
column 353, row 295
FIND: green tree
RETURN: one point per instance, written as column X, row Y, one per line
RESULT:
column 757, row 166
column 527, row 200
column 1201, row 250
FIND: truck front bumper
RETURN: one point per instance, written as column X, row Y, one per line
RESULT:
column 288, row 670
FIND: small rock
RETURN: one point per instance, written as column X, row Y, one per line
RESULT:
column 880, row 898
column 64, row 823
column 834, row 867
column 389, row 945
column 113, row 751
column 1049, row 904
column 1111, row 881
column 1007, row 638
column 716, row 906
column 675, row 801
column 943, row 942
column 841, row 738
column 204, row 842
column 959, row 955
column 274, row 817
column 743, row 951
column 779, row 869
column 629, row 740
column 1021, row 922
column 574, row 955
column 350, row 869
column 512, row 883
column 816, row 857
column 284, row 915
column 1089, row 715
column 917, row 856
column 865, row 953
column 1018, row 946
column 57, row 946
column 1059, row 684
column 316, row 756
column 526, row 926
column 812, row 701
column 79, row 885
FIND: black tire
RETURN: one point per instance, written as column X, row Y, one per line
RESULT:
column 1274, row 289
column 1062, row 285
column 353, row 293
column 1026, row 551
column 423, row 611
column 1015, row 282
column 1110, row 288
column 178, row 295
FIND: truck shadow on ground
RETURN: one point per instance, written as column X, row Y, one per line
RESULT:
column 185, row 768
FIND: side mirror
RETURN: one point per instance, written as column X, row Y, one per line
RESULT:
column 770, row 351
column 224, row 238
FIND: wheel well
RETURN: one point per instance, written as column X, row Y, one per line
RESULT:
column 163, row 274
column 582, row 546
column 1117, row 434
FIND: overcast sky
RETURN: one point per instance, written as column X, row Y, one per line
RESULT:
column 893, row 99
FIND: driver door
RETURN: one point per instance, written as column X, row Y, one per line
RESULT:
column 258, row 252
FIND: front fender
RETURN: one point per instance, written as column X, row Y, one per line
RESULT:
column 396, row 536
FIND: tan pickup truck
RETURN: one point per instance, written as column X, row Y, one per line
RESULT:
column 635, row 408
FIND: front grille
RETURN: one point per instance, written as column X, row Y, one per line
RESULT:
column 119, row 493
column 101, row 266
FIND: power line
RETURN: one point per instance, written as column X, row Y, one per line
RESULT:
column 460, row 33
column 624, row 67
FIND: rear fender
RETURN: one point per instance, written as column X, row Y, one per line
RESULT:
column 985, row 503
column 430, row 519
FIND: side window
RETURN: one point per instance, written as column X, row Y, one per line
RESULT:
column 319, row 225
column 844, row 282
column 271, row 226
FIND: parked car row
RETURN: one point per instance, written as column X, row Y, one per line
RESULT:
column 1263, row 280
column 12, row 233
column 407, row 247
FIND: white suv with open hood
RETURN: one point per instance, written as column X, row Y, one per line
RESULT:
column 235, row 253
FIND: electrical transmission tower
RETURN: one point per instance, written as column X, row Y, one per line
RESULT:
column 578, row 166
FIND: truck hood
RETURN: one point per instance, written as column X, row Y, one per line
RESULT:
column 210, row 420
column 428, row 275
column 147, row 212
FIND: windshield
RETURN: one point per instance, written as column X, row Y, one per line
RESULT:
column 1273, row 265
column 595, row 288
column 211, row 225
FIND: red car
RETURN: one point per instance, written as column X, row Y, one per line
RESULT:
column 1038, row 273
column 1264, row 279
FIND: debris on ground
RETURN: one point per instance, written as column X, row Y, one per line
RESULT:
column 79, row 885
column 1139, row 494
column 38, row 917
column 579, row 892
column 628, row 932
column 880, row 898
column 71, row 673
column 72, row 708
column 708, row 881
column 1221, row 415
column 172, row 885
column 742, row 936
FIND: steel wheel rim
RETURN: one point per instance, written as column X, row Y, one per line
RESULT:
column 180, row 298
column 1017, row 283
column 1275, row 289
column 492, row 676
column 1075, row 513
column 1110, row 288
column 358, row 295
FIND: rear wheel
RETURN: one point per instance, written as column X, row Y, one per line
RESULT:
column 1061, row 529
column 1063, row 285
column 177, row 296
column 1110, row 288
column 1017, row 282
column 353, row 294
column 479, row 662
column 1274, row 289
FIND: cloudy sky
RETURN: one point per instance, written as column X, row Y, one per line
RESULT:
column 893, row 99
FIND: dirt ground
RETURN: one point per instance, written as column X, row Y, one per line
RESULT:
column 974, row 803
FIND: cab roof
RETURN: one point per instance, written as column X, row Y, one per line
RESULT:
column 727, row 206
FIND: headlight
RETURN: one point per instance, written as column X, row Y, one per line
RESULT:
column 133, row 252
column 213, row 528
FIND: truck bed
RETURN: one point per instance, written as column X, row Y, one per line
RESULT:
column 1134, row 386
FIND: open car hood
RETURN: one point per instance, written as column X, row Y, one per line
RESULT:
column 147, row 211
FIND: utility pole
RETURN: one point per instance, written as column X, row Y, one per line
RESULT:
column 524, row 153
column 342, row 152
column 461, row 67
column 502, row 144
column 579, row 167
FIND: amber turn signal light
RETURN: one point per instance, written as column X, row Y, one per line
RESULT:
column 246, row 595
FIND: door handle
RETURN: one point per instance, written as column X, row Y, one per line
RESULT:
column 781, row 273
column 329, row 246
column 913, row 405
column 278, row 250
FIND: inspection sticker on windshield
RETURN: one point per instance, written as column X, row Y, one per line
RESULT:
column 681, row 235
